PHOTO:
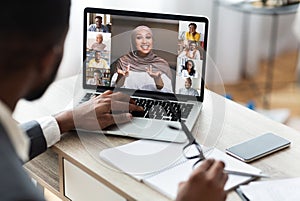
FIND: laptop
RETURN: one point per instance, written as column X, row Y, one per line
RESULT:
column 150, row 57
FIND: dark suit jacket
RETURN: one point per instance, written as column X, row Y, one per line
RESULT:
column 15, row 184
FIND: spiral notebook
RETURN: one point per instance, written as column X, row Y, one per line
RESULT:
column 162, row 166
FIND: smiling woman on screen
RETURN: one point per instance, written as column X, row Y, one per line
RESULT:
column 141, row 68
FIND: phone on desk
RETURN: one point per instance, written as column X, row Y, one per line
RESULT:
column 258, row 147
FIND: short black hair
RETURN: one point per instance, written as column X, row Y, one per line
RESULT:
column 97, row 51
column 189, row 80
column 99, row 17
column 35, row 17
column 31, row 26
column 193, row 24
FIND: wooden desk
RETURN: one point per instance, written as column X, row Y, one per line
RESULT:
column 227, row 121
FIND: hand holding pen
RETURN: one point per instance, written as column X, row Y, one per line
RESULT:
column 194, row 145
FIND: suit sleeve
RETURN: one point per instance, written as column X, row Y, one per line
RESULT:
column 15, row 183
column 42, row 133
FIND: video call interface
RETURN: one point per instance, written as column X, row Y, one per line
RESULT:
column 139, row 53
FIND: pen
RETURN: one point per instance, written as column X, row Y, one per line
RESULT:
column 241, row 194
column 246, row 173
column 192, row 141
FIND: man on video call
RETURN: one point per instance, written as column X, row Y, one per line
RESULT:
column 98, row 26
column 40, row 50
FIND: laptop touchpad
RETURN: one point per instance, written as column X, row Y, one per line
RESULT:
column 149, row 129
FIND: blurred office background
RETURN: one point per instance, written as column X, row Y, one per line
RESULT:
column 225, row 38
column 241, row 58
column 239, row 53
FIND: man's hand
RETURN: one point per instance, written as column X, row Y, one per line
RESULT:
column 99, row 112
column 205, row 184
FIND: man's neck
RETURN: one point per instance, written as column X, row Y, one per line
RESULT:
column 9, row 101
column 10, row 91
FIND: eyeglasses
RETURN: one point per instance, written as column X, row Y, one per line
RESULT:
column 193, row 149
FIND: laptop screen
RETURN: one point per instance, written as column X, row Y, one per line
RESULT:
column 147, row 54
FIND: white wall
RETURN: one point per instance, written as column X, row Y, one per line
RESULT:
column 225, row 45
column 229, row 44
column 71, row 63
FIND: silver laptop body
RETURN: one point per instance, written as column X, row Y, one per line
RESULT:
column 172, row 55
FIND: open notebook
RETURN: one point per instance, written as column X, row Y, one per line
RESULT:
column 162, row 166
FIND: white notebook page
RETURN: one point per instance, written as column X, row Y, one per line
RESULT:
column 162, row 166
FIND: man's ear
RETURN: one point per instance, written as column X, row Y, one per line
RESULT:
column 48, row 61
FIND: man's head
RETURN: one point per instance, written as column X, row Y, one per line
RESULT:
column 99, row 38
column 37, row 38
column 97, row 56
column 97, row 74
column 188, row 83
column 192, row 45
column 98, row 21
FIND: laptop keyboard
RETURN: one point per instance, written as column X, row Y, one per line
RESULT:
column 165, row 110
column 87, row 97
column 157, row 109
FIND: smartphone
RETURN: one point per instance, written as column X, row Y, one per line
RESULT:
column 258, row 147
